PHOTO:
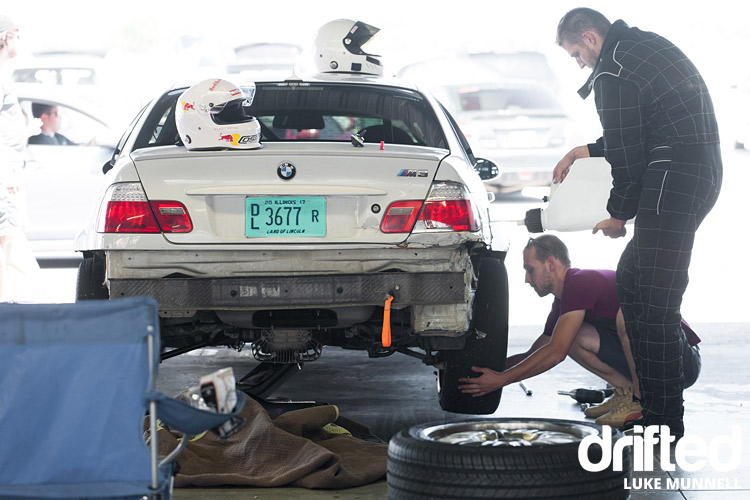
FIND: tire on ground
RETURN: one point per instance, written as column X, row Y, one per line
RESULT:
column 487, row 349
column 421, row 468
column 90, row 280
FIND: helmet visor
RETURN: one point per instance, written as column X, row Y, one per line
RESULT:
column 232, row 112
column 360, row 34
column 244, row 94
column 248, row 92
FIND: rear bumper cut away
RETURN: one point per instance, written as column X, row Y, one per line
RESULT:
column 296, row 291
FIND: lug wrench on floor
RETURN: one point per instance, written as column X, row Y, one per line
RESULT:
column 528, row 391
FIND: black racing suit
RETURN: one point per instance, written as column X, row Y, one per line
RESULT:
column 661, row 139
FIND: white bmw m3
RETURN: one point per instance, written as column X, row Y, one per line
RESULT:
column 341, row 210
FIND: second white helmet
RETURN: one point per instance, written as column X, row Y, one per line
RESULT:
column 215, row 114
column 339, row 48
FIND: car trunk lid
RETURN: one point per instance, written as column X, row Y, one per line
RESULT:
column 288, row 194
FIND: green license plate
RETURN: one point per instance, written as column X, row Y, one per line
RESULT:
column 285, row 217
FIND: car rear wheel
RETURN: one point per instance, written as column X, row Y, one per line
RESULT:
column 487, row 346
column 502, row 458
column 90, row 280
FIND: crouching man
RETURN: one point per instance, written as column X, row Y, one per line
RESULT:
column 586, row 324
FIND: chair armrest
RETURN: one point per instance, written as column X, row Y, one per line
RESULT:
column 186, row 419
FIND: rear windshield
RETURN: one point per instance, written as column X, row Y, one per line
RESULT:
column 321, row 112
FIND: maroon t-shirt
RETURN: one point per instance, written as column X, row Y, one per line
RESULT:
column 595, row 291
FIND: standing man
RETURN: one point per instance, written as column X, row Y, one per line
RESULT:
column 661, row 139
column 18, row 268
column 12, row 144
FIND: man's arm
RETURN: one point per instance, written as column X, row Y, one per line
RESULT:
column 517, row 358
column 561, row 170
column 618, row 102
column 539, row 361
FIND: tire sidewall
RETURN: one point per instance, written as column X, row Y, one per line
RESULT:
column 90, row 279
column 417, row 464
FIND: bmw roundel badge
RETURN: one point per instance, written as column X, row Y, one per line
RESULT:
column 286, row 171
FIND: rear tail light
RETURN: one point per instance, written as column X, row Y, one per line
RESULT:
column 454, row 215
column 400, row 216
column 447, row 208
column 172, row 216
column 129, row 211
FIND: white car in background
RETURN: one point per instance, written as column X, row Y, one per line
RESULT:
column 523, row 65
column 61, row 67
column 79, row 74
column 264, row 61
column 518, row 124
column 361, row 223
column 61, row 182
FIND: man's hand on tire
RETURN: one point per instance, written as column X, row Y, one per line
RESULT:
column 487, row 382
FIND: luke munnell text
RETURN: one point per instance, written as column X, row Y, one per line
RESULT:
column 681, row 483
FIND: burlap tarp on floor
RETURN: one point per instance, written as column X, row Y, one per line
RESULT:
column 299, row 448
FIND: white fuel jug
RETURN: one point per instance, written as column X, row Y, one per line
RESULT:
column 578, row 203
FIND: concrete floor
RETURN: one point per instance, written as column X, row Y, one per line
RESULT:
column 393, row 393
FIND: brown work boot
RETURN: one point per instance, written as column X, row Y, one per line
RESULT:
column 620, row 396
column 628, row 411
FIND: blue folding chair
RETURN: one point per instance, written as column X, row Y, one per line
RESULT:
column 76, row 381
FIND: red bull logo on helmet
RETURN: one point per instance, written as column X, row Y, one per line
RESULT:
column 230, row 138
column 186, row 106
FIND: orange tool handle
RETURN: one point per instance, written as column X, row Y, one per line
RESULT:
column 386, row 336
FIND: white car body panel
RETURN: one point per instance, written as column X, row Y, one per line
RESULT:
column 352, row 181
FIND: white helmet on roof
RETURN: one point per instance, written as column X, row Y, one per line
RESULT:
column 338, row 48
column 215, row 114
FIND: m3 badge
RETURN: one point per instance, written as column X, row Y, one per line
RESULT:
column 410, row 172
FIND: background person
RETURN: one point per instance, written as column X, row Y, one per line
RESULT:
column 18, row 268
column 582, row 324
column 51, row 122
column 661, row 139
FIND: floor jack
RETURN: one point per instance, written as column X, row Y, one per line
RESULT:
column 265, row 379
